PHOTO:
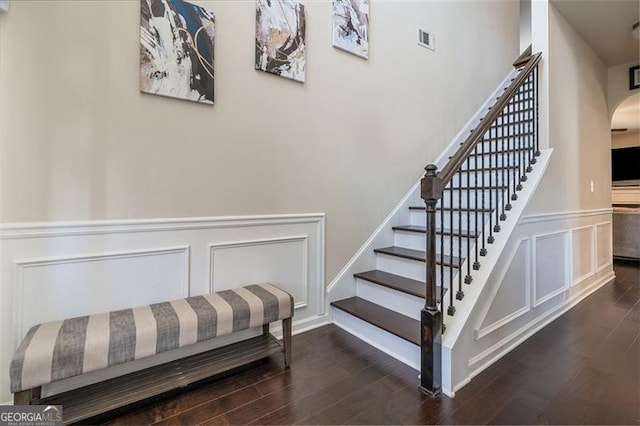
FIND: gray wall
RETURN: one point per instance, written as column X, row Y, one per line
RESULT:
column 79, row 142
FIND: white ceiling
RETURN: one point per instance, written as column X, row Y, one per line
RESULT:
column 605, row 25
column 627, row 115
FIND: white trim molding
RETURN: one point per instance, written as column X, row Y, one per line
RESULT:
column 557, row 216
column 483, row 331
column 576, row 249
column 564, row 284
column 301, row 284
column 607, row 237
column 22, row 265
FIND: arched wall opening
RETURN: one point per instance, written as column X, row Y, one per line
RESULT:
column 625, row 189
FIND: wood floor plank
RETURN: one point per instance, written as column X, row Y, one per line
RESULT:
column 214, row 407
column 278, row 399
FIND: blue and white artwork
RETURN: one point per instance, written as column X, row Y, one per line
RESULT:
column 351, row 26
column 176, row 50
column 280, row 38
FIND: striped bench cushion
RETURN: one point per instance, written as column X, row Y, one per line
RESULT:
column 61, row 349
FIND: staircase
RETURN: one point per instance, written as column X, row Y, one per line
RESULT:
column 409, row 297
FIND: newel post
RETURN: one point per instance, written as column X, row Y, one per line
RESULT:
column 431, row 317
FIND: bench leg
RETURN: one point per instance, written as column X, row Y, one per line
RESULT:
column 286, row 339
column 27, row 397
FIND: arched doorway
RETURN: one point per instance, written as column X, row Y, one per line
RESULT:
column 625, row 177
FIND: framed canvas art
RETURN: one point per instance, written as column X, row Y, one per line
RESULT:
column 176, row 50
column 280, row 38
column 351, row 26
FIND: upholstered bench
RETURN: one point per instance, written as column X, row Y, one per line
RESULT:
column 60, row 350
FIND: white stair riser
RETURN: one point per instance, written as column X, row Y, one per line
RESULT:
column 460, row 198
column 388, row 343
column 495, row 176
column 496, row 160
column 413, row 269
column 417, row 241
column 418, row 218
column 398, row 301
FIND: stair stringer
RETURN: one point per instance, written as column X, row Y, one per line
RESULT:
column 344, row 284
column 455, row 341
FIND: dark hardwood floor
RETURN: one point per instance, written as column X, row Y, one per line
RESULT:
column 581, row 369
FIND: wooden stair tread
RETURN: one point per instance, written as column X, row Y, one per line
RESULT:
column 418, row 255
column 462, row 209
column 493, row 152
column 487, row 169
column 503, row 151
column 386, row 319
column 482, row 188
column 422, row 230
column 397, row 282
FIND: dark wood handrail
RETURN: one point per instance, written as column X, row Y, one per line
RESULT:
column 450, row 169
column 523, row 58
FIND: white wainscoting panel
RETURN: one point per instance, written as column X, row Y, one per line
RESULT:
column 550, row 266
column 82, row 285
column 510, row 299
column 276, row 260
column 584, row 248
column 51, row 271
column 604, row 245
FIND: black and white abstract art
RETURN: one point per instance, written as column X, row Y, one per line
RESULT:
column 280, row 38
column 351, row 26
column 176, row 50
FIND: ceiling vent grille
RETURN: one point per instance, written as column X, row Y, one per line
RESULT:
column 426, row 39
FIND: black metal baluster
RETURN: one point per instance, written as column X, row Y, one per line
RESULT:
column 489, row 238
column 517, row 144
column 442, row 250
column 523, row 153
column 460, row 293
column 519, row 163
column 483, row 251
column 451, row 309
column 468, row 278
column 442, row 287
column 478, row 152
column 505, row 171
column 496, row 170
column 537, row 141
column 529, row 127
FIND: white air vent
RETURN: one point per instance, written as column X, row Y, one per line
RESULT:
column 426, row 39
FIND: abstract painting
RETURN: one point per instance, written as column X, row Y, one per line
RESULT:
column 176, row 50
column 351, row 26
column 280, row 38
